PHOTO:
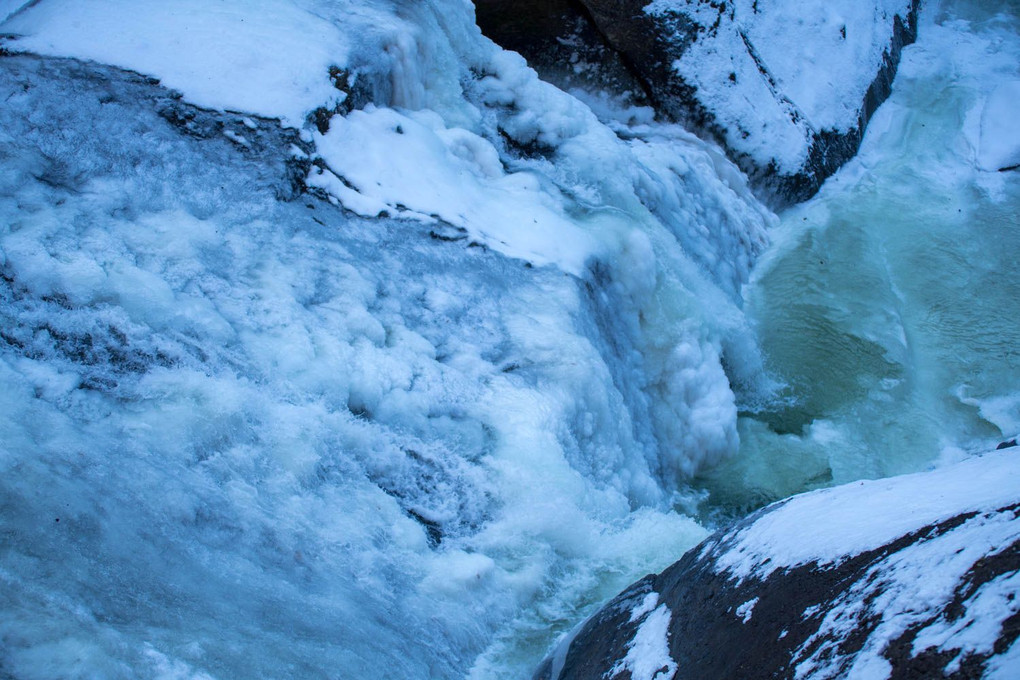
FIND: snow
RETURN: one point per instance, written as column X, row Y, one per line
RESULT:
column 829, row 526
column 645, row 606
column 269, row 57
column 1003, row 666
column 252, row 416
column 746, row 610
column 647, row 655
column 981, row 625
column 452, row 175
column 904, row 588
column 819, row 59
column 998, row 139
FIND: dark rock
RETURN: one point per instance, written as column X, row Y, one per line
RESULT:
column 562, row 41
column 606, row 636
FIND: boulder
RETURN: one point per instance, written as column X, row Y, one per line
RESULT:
column 909, row 577
column 787, row 88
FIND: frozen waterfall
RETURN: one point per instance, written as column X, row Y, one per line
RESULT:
column 351, row 348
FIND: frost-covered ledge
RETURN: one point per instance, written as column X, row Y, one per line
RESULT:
column 909, row 577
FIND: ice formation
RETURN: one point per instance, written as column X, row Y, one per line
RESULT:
column 329, row 417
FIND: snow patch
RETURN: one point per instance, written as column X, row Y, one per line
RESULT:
column 648, row 651
column 650, row 601
column 267, row 57
column 997, row 137
column 746, row 610
column 413, row 161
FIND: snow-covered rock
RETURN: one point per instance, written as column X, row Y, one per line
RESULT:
column 786, row 87
column 908, row 577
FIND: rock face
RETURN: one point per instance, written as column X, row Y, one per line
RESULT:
column 910, row 577
column 787, row 88
column 561, row 40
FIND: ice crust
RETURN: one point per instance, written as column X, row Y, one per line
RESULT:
column 246, row 413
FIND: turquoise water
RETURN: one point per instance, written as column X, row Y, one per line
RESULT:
column 888, row 305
